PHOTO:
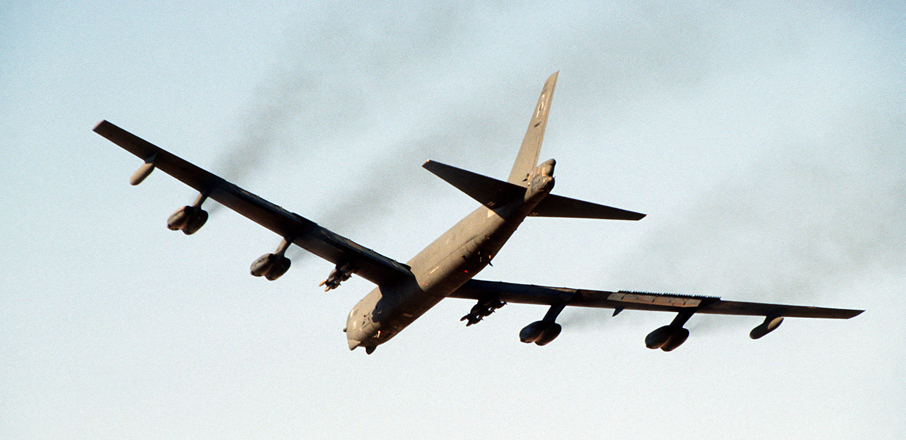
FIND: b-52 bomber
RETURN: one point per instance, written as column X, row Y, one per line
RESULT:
column 447, row 267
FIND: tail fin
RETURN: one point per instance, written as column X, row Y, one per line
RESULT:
column 527, row 159
column 491, row 192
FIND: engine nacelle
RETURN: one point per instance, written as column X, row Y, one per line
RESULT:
column 540, row 332
column 188, row 219
column 766, row 327
column 179, row 218
column 676, row 340
column 666, row 338
column 659, row 337
column 270, row 266
column 549, row 335
column 533, row 331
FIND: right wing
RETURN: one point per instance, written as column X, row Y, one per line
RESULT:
column 493, row 295
column 294, row 228
column 664, row 302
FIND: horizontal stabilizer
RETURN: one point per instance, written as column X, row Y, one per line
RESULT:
column 492, row 193
column 557, row 206
column 486, row 190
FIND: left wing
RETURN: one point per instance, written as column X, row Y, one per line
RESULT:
column 492, row 295
column 291, row 226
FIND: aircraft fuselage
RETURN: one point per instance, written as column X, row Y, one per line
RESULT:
column 445, row 265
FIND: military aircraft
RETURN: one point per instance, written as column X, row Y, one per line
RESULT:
column 445, row 269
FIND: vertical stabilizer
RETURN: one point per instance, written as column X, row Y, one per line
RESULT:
column 531, row 144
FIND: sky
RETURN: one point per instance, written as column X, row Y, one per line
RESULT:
column 766, row 143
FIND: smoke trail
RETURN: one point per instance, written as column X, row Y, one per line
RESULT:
column 786, row 234
column 262, row 136
column 781, row 229
column 779, row 234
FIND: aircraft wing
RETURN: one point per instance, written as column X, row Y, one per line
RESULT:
column 291, row 226
column 620, row 300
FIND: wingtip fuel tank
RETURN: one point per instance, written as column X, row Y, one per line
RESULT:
column 142, row 172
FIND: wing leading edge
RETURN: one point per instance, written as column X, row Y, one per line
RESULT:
column 294, row 228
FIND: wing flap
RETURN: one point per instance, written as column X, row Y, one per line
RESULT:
column 303, row 232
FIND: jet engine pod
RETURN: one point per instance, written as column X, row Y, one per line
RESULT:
column 179, row 218
column 667, row 338
column 676, row 339
column 189, row 219
column 769, row 324
column 196, row 222
column 534, row 331
column 279, row 267
column 549, row 335
column 270, row 266
column 659, row 337
column 540, row 332
column 261, row 266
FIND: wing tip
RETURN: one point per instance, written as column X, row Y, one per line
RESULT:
column 854, row 313
column 101, row 125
